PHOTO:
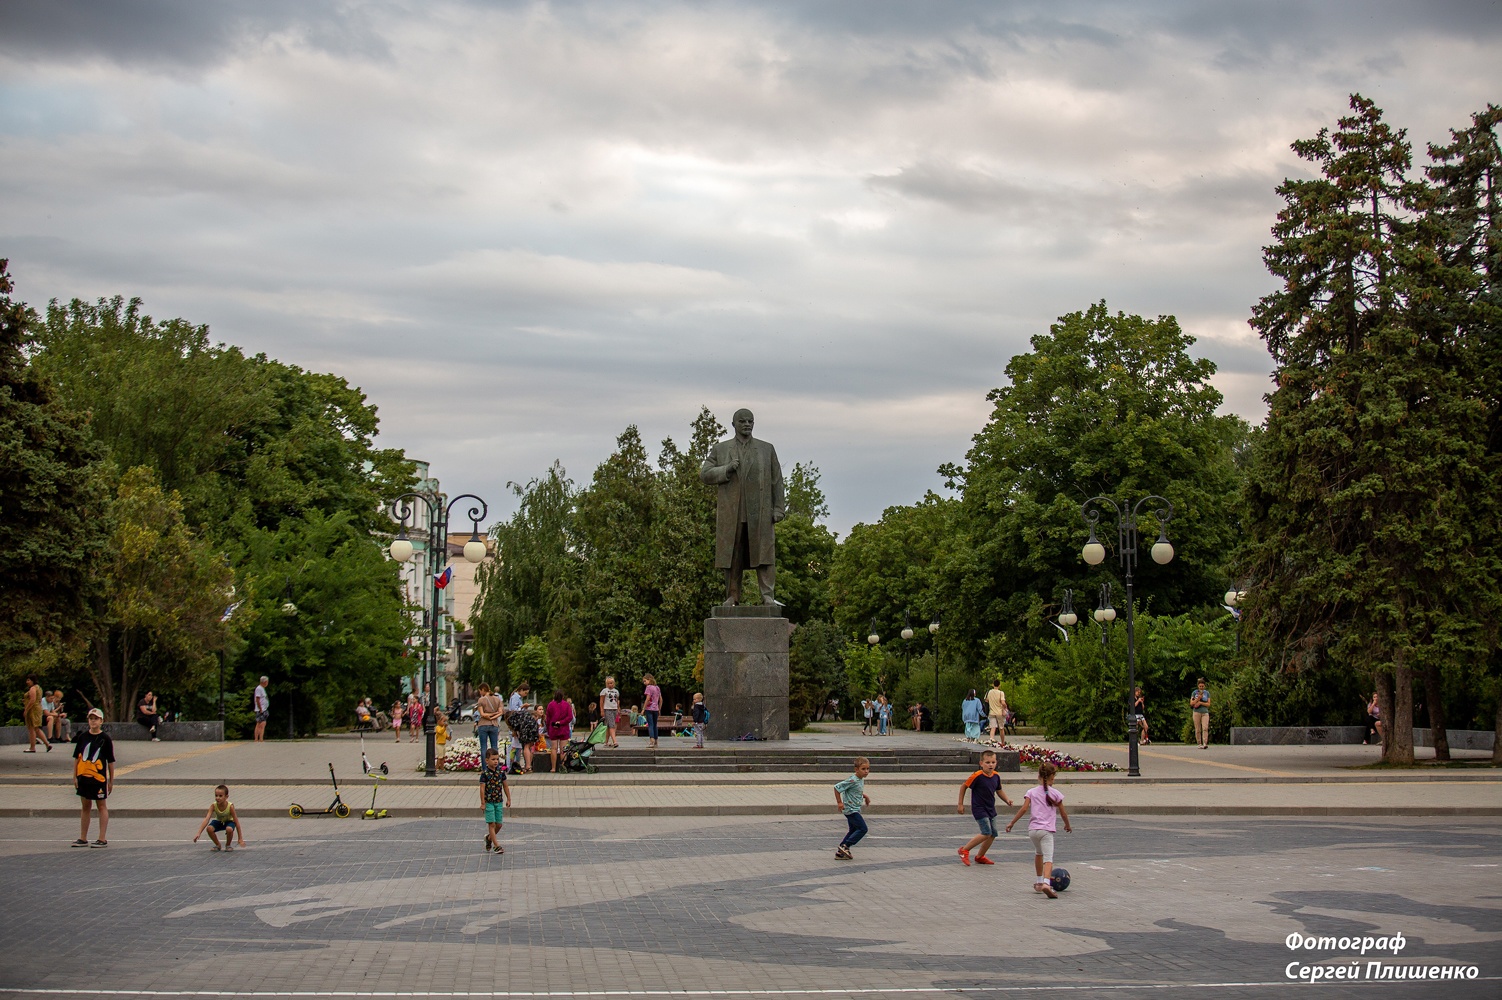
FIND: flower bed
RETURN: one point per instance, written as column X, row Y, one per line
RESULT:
column 1033, row 756
column 458, row 755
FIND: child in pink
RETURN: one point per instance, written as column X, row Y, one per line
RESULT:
column 1046, row 805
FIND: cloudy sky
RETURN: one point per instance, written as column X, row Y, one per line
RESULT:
column 522, row 226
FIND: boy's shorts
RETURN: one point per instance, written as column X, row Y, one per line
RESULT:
column 495, row 812
column 220, row 825
column 1042, row 843
column 987, row 825
column 89, row 789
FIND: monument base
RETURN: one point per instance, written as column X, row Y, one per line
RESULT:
column 746, row 673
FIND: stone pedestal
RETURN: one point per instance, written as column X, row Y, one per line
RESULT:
column 746, row 673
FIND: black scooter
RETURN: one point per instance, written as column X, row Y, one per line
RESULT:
column 336, row 808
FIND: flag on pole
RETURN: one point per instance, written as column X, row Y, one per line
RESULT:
column 442, row 579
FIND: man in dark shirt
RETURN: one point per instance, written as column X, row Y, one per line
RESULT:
column 984, row 786
column 93, row 777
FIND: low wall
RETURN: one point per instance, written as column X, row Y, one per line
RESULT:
column 1310, row 736
column 1460, row 739
column 1296, row 736
column 169, row 732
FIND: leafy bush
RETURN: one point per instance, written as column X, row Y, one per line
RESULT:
column 1077, row 691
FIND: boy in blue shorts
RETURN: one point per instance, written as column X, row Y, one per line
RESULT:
column 494, row 791
column 984, row 786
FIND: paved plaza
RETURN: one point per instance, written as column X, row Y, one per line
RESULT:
column 1188, row 881
column 641, row 906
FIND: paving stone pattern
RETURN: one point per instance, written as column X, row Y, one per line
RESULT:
column 1198, row 906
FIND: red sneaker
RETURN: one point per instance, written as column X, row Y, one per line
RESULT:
column 983, row 860
column 965, row 856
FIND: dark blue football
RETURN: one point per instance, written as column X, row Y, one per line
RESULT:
column 1059, row 879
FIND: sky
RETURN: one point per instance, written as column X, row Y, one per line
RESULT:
column 520, row 227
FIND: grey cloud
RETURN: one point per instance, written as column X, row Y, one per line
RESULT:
column 176, row 34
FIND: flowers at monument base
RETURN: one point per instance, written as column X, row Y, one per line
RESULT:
column 459, row 755
column 1035, row 755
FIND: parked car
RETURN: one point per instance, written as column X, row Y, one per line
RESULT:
column 466, row 713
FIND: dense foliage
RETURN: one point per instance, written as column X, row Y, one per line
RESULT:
column 206, row 490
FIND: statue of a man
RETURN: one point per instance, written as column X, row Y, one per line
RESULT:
column 751, row 500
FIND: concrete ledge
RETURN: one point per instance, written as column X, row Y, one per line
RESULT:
column 1460, row 739
column 1301, row 736
column 168, row 732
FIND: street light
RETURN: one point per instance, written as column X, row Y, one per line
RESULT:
column 1234, row 597
column 1094, row 553
column 874, row 637
column 404, row 510
column 1067, row 617
column 933, row 630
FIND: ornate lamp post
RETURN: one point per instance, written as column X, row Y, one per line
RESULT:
column 404, row 510
column 1094, row 553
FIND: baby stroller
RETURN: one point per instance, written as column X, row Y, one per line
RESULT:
column 577, row 755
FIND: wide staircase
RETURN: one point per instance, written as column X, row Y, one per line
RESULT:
column 729, row 758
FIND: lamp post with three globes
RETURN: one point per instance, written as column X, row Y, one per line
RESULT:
column 1094, row 553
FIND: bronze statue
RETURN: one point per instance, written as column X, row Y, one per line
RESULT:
column 751, row 500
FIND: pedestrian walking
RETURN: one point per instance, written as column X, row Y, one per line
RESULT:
column 559, row 718
column 93, row 778
column 1139, row 709
column 850, row 798
column 488, row 710
column 651, row 707
column 984, row 786
column 972, row 711
column 1046, row 805
column 148, row 716
column 1199, row 708
column 414, row 717
column 398, row 714
column 495, row 798
column 31, row 714
column 700, row 715
column 610, row 710
column 221, row 818
column 883, row 715
column 996, row 712
column 260, row 703
column 868, row 709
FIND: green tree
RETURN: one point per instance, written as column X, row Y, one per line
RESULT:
column 1361, row 534
column 1466, row 214
column 533, row 587
column 326, row 619
column 54, row 496
column 531, row 664
column 890, row 571
column 805, row 549
column 816, row 670
column 161, row 593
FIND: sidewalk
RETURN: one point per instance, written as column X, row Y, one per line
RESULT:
column 175, row 780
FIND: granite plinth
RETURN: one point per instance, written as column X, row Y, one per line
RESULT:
column 747, row 611
column 746, row 674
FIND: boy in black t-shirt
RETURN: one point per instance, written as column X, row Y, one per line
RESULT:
column 985, row 786
column 93, row 777
column 495, row 798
